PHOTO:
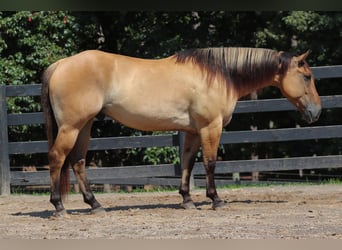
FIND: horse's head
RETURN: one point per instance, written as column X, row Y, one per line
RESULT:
column 298, row 86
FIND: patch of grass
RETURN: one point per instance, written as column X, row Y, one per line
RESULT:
column 332, row 181
column 270, row 184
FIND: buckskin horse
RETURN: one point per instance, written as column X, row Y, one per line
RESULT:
column 194, row 91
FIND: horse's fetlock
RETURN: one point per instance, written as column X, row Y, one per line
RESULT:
column 88, row 198
column 55, row 199
column 211, row 193
column 184, row 190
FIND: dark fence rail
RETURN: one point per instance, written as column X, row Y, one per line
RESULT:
column 159, row 174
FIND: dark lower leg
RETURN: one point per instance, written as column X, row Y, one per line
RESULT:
column 88, row 196
column 211, row 187
column 184, row 188
column 210, row 137
column 55, row 197
column 191, row 145
column 55, row 181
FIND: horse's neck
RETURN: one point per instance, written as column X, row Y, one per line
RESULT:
column 248, row 88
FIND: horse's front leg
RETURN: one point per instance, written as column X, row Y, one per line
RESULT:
column 210, row 137
column 191, row 145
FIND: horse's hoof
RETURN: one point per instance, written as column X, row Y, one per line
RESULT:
column 59, row 214
column 98, row 210
column 188, row 205
column 219, row 204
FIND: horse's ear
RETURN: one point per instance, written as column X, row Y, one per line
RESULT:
column 302, row 57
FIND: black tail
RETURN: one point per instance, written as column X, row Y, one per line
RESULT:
column 51, row 126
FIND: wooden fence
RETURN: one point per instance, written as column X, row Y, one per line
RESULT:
column 160, row 174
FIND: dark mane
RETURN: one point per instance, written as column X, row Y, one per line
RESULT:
column 241, row 68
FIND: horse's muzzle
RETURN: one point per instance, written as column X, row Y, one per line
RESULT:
column 312, row 113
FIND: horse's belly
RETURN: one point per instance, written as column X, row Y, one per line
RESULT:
column 149, row 119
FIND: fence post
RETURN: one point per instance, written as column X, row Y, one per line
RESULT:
column 5, row 178
column 181, row 138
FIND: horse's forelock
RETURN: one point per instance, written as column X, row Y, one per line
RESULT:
column 284, row 61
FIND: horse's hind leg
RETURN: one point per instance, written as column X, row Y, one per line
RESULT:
column 63, row 144
column 77, row 159
column 191, row 146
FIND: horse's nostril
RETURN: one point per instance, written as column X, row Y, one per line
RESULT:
column 314, row 112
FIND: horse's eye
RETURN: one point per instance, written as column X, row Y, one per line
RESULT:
column 307, row 78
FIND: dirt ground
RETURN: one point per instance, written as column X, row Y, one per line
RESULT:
column 275, row 212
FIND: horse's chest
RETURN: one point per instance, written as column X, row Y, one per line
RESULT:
column 227, row 113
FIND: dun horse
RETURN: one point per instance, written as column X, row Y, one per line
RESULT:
column 194, row 91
